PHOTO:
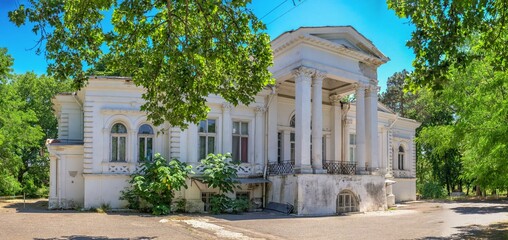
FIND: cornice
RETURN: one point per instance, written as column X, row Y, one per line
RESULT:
column 328, row 45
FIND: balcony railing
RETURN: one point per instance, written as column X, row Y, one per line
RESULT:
column 331, row 167
column 402, row 174
column 339, row 167
column 281, row 168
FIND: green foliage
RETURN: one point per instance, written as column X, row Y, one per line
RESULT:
column 446, row 32
column 153, row 188
column 219, row 203
column 219, row 172
column 240, row 205
column 397, row 97
column 430, row 190
column 179, row 51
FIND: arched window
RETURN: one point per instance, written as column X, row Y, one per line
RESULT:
column 118, row 142
column 401, row 158
column 346, row 202
column 145, row 141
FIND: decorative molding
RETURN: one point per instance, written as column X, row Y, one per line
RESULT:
column 319, row 76
column 122, row 111
column 303, row 74
column 335, row 99
column 259, row 109
column 226, row 107
column 329, row 45
column 372, row 90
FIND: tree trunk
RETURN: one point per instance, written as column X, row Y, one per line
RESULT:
column 478, row 191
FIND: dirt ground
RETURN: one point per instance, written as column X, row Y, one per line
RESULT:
column 416, row 220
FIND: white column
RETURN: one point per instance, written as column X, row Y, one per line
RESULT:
column 258, row 136
column 272, row 129
column 317, row 122
column 336, row 122
column 227, row 128
column 360, row 128
column 53, row 177
column 371, row 128
column 303, row 77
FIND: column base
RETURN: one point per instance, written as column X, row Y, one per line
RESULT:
column 305, row 169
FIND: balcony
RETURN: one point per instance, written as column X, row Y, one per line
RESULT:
column 331, row 167
column 402, row 174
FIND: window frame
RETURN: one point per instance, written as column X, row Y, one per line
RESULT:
column 145, row 137
column 352, row 147
column 207, row 135
column 118, row 136
column 240, row 136
column 401, row 157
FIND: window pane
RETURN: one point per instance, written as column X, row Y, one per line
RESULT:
column 149, row 149
column 244, row 149
column 122, row 149
column 292, row 137
column 202, row 147
column 118, row 128
column 145, row 129
column 114, row 149
column 352, row 139
column 236, row 148
column 202, row 126
column 141, row 155
column 245, row 129
column 211, row 125
column 211, row 144
column 351, row 154
column 236, row 127
column 292, row 151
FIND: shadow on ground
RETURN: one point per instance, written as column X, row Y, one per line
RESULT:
column 497, row 231
column 30, row 205
column 80, row 237
column 481, row 210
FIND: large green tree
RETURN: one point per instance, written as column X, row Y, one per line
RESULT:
column 461, row 51
column 18, row 129
column 446, row 31
column 179, row 51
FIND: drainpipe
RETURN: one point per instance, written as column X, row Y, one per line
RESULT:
column 75, row 95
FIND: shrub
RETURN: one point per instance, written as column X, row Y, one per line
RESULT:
column 240, row 205
column 154, row 186
column 432, row 190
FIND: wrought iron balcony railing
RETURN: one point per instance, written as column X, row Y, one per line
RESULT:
column 339, row 167
column 281, row 168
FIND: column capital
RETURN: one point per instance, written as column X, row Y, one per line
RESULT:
column 319, row 76
column 226, row 107
column 303, row 74
column 371, row 90
column 335, row 99
column 259, row 109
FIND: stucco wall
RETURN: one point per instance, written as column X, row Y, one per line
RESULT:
column 105, row 189
column 404, row 189
column 316, row 194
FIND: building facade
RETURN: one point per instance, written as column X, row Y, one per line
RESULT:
column 299, row 143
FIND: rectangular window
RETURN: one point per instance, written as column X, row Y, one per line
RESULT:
column 352, row 147
column 207, row 134
column 240, row 141
column 205, row 197
column 279, row 147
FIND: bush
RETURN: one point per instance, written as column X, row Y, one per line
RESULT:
column 240, row 205
column 432, row 190
column 153, row 188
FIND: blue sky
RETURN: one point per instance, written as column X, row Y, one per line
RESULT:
column 370, row 17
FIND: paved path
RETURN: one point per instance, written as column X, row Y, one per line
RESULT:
column 419, row 220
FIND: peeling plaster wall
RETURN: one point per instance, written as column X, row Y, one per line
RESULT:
column 316, row 194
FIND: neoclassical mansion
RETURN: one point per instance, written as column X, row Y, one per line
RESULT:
column 299, row 143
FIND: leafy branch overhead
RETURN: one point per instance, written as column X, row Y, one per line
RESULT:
column 179, row 51
column 446, row 31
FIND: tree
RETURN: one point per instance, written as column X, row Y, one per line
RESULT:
column 447, row 30
column 461, row 51
column 18, row 129
column 179, row 51
column 397, row 97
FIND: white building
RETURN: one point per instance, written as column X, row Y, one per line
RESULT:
column 297, row 142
